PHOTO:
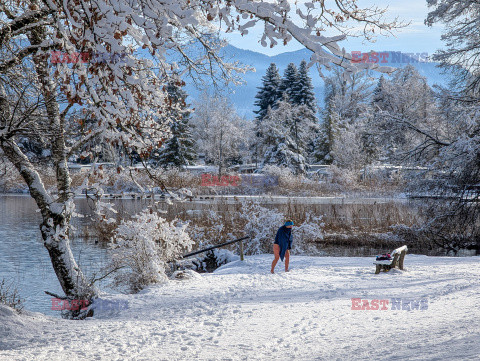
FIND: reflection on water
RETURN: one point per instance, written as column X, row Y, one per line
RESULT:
column 25, row 261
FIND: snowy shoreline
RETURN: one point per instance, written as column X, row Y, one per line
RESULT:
column 242, row 312
column 345, row 199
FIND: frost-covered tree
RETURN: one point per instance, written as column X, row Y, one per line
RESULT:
column 179, row 149
column 381, row 94
column 461, row 21
column 324, row 141
column 355, row 146
column 268, row 94
column 305, row 91
column 403, row 106
column 298, row 111
column 296, row 87
column 449, row 142
column 220, row 133
column 305, row 97
column 289, row 86
column 285, row 137
column 267, row 98
column 142, row 247
column 86, row 54
column 344, row 118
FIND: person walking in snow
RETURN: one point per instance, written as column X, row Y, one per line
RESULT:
column 283, row 244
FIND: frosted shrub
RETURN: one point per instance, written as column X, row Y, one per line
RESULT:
column 288, row 181
column 9, row 296
column 209, row 229
column 343, row 176
column 285, row 176
column 123, row 181
column 175, row 178
column 307, row 234
column 261, row 225
column 142, row 247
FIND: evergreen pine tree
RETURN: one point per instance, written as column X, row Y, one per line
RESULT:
column 267, row 98
column 305, row 94
column 324, row 143
column 179, row 149
column 268, row 94
column 380, row 95
column 290, row 85
column 305, row 98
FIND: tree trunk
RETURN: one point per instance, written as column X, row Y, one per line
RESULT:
column 56, row 214
column 54, row 227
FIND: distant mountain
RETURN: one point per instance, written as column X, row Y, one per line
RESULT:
column 243, row 96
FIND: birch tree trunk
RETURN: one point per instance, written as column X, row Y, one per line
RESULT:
column 54, row 228
column 56, row 214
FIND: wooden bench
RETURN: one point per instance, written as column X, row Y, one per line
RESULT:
column 397, row 261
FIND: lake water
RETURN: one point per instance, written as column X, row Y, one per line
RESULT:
column 25, row 262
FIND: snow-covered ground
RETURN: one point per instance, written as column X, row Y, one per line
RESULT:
column 242, row 312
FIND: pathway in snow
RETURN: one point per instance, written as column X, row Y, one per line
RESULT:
column 242, row 312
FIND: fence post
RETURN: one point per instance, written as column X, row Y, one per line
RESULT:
column 241, row 250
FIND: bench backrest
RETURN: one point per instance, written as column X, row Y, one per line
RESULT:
column 400, row 249
column 399, row 256
column 395, row 260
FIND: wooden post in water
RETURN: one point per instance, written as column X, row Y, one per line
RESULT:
column 241, row 250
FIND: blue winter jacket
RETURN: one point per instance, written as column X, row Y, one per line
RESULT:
column 284, row 239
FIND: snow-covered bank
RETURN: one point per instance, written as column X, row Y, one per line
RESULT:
column 346, row 198
column 243, row 312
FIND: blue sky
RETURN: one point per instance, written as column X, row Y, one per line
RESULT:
column 415, row 38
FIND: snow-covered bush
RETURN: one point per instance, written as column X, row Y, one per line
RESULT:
column 175, row 178
column 250, row 218
column 208, row 229
column 224, row 256
column 142, row 247
column 284, row 174
column 343, row 176
column 290, row 183
column 384, row 175
column 9, row 296
column 261, row 225
column 136, row 181
column 307, row 234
